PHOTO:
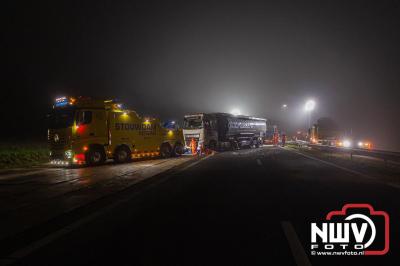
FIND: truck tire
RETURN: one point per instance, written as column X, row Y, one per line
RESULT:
column 165, row 150
column 122, row 155
column 178, row 150
column 95, row 156
column 256, row 143
column 234, row 146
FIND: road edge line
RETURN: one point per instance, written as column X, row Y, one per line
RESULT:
column 375, row 179
column 331, row 164
column 296, row 248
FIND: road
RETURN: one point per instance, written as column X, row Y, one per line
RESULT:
column 29, row 198
column 248, row 207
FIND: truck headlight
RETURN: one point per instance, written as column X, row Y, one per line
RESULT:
column 68, row 154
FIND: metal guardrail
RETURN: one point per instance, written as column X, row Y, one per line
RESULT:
column 384, row 155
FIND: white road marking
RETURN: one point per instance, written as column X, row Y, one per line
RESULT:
column 393, row 185
column 25, row 251
column 295, row 246
column 346, row 169
column 259, row 161
column 194, row 163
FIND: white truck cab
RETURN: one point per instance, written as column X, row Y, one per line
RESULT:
column 193, row 128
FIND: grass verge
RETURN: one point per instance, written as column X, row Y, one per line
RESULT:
column 22, row 154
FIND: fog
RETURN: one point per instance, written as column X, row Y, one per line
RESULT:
column 172, row 58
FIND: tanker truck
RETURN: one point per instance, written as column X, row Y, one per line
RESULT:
column 219, row 131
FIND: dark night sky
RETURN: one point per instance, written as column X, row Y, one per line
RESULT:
column 171, row 58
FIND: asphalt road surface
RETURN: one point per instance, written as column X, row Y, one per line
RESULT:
column 248, row 207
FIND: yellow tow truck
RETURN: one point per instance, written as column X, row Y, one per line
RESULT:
column 89, row 131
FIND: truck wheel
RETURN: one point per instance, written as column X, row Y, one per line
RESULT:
column 122, row 155
column 178, row 150
column 234, row 146
column 95, row 156
column 256, row 143
column 165, row 151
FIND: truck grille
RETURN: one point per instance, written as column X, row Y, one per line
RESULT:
column 58, row 141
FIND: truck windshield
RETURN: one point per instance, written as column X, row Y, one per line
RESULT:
column 61, row 118
column 193, row 122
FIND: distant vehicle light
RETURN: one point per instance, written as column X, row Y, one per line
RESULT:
column 364, row 145
column 235, row 112
column 347, row 143
column 367, row 145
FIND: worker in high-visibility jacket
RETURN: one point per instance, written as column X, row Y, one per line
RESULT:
column 193, row 146
column 275, row 139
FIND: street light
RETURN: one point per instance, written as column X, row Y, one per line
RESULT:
column 310, row 105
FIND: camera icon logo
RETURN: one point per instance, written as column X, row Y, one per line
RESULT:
column 356, row 229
